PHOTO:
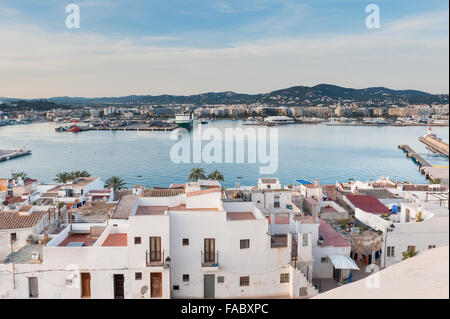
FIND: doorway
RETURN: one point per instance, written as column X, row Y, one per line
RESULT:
column 85, row 285
column 208, row 286
column 156, row 285
column 119, row 289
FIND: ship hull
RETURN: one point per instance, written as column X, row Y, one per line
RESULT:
column 187, row 124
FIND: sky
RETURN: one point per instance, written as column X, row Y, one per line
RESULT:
column 184, row 47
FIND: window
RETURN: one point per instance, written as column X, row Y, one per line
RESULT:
column 185, row 278
column 324, row 260
column 13, row 237
column 284, row 278
column 210, row 248
column 305, row 240
column 245, row 243
column 244, row 281
column 390, row 251
column 411, row 247
column 431, row 246
column 138, row 276
column 220, row 279
column 33, row 287
column 185, row 241
column 278, row 241
column 276, row 201
column 137, row 240
column 176, row 287
column 155, row 249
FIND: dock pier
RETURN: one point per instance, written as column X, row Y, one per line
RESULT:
column 10, row 154
column 417, row 158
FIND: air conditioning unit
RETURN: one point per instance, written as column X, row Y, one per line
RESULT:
column 35, row 255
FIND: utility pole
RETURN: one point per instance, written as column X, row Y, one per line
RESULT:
column 13, row 265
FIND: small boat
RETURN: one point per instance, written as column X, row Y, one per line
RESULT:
column 204, row 122
column 74, row 129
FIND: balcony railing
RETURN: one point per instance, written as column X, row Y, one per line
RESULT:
column 210, row 259
column 154, row 258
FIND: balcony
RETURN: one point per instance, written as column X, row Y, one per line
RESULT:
column 154, row 258
column 210, row 260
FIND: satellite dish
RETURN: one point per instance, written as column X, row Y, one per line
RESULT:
column 144, row 290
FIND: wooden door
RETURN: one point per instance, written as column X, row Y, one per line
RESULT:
column 156, row 285
column 210, row 248
column 85, row 285
column 119, row 289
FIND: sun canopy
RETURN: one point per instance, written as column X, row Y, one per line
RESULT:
column 343, row 262
column 303, row 181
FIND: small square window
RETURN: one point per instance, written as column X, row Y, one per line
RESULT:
column 324, row 260
column 185, row 278
column 284, row 278
column 185, row 241
column 176, row 287
column 220, row 279
column 245, row 243
column 244, row 281
column 13, row 237
column 138, row 276
column 137, row 240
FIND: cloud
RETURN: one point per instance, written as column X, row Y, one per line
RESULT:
column 38, row 63
column 97, row 3
column 435, row 21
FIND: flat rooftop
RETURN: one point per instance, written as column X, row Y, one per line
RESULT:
column 115, row 240
column 125, row 206
column 151, row 210
column 231, row 216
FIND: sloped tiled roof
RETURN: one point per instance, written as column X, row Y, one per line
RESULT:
column 368, row 204
column 331, row 237
column 12, row 220
column 167, row 192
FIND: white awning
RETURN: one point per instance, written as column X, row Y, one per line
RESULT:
column 343, row 262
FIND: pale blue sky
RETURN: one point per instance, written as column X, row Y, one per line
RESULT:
column 193, row 46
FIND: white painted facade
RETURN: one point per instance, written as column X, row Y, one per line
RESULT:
column 194, row 216
column 405, row 229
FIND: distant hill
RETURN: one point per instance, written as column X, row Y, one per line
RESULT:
column 295, row 96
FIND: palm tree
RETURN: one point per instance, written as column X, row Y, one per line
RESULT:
column 435, row 181
column 196, row 174
column 18, row 175
column 76, row 174
column 410, row 252
column 63, row 177
column 216, row 176
column 115, row 183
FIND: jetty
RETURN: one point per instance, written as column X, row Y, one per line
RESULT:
column 10, row 154
column 133, row 128
column 434, row 143
column 417, row 158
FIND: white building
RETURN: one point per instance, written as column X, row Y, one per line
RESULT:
column 172, row 243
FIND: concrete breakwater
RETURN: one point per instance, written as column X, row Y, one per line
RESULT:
column 10, row 154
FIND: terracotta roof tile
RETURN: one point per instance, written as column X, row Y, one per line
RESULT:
column 368, row 204
column 12, row 220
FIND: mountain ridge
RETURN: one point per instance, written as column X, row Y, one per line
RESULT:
column 293, row 96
